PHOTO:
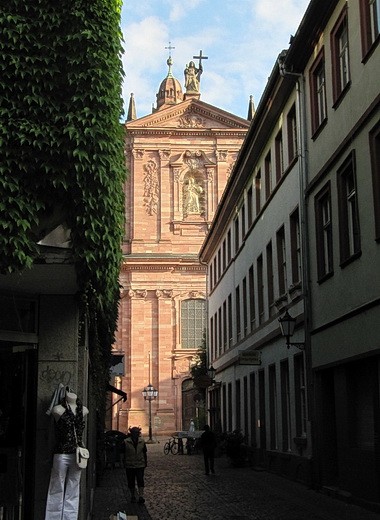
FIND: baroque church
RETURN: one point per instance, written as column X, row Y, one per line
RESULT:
column 179, row 160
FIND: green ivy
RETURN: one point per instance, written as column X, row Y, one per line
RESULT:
column 61, row 142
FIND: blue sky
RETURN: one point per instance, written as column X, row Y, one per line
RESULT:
column 242, row 39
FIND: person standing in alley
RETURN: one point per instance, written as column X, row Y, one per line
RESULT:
column 208, row 444
column 135, row 462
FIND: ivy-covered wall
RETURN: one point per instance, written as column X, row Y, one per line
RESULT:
column 61, row 143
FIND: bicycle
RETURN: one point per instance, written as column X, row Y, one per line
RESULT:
column 171, row 446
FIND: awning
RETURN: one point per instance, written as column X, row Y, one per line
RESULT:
column 117, row 391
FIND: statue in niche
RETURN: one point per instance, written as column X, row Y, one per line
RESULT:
column 191, row 197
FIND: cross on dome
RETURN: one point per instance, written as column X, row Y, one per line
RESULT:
column 170, row 49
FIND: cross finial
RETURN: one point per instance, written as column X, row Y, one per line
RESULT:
column 170, row 49
column 200, row 58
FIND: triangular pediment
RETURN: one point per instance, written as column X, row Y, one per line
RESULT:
column 192, row 114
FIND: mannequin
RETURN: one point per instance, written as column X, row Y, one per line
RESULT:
column 71, row 400
column 63, row 495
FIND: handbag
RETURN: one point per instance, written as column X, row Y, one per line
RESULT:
column 82, row 457
column 82, row 454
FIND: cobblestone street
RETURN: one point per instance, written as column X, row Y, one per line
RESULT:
column 176, row 488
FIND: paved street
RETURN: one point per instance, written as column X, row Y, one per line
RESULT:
column 176, row 488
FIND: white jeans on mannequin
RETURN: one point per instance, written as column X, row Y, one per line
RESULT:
column 63, row 495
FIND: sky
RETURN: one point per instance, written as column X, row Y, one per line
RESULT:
column 242, row 39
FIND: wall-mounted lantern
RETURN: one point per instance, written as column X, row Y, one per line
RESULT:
column 287, row 325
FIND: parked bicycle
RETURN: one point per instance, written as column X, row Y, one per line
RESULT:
column 171, row 446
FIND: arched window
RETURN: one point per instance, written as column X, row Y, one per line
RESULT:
column 193, row 323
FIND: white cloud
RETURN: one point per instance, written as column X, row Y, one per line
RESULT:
column 242, row 41
column 180, row 10
column 142, row 60
column 284, row 15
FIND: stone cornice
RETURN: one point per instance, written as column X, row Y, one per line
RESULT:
column 192, row 107
column 162, row 267
column 209, row 132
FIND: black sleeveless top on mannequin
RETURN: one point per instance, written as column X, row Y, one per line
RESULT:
column 65, row 437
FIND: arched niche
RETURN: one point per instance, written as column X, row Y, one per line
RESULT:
column 193, row 177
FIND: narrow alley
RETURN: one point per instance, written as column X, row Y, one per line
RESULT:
column 176, row 488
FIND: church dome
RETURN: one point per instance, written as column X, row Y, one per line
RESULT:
column 170, row 91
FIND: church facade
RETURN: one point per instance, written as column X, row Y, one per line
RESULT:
column 179, row 159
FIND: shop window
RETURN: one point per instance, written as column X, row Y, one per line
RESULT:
column 252, row 389
column 300, row 395
column 285, row 407
column 273, row 412
column 237, row 405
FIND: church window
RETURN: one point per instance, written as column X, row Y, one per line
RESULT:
column 193, row 323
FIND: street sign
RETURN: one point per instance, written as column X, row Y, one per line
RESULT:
column 249, row 357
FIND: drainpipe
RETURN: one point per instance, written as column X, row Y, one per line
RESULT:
column 304, row 227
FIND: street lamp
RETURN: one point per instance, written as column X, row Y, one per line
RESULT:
column 150, row 393
column 287, row 326
column 211, row 373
